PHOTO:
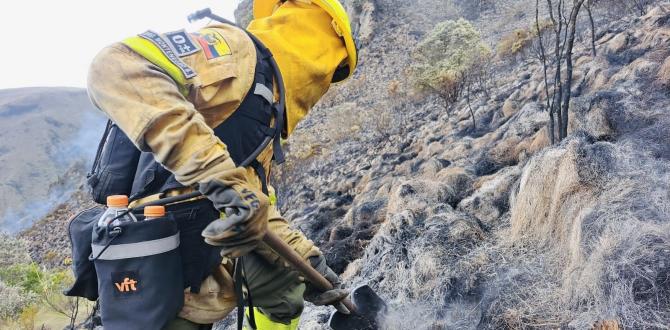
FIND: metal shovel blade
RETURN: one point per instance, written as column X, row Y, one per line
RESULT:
column 369, row 309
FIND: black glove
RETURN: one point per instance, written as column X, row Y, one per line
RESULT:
column 245, row 221
column 331, row 297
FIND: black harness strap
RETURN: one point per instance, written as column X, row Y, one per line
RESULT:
column 260, row 170
column 252, row 317
column 240, row 282
column 101, row 145
column 276, row 143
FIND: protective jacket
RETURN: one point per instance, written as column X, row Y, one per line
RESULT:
column 170, row 103
column 255, row 121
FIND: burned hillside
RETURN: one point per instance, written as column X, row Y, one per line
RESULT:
column 494, row 228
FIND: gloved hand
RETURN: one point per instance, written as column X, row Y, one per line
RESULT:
column 245, row 221
column 330, row 297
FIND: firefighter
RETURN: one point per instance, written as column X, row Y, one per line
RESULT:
column 196, row 104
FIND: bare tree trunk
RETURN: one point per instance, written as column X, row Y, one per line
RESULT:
column 552, row 127
column 558, row 99
column 640, row 6
column 447, row 104
column 74, row 313
column 558, row 53
column 577, row 4
column 593, row 28
column 444, row 97
column 467, row 99
column 483, row 79
column 543, row 57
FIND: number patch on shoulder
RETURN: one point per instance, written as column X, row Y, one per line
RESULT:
column 181, row 42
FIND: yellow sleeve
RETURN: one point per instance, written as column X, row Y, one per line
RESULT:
column 148, row 106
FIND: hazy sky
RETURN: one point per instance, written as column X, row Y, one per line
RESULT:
column 52, row 42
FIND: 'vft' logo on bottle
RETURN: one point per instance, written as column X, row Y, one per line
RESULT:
column 126, row 283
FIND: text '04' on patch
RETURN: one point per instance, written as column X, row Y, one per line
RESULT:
column 182, row 43
column 170, row 53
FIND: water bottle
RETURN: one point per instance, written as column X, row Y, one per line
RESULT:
column 116, row 206
column 154, row 212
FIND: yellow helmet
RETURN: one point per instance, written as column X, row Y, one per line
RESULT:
column 341, row 24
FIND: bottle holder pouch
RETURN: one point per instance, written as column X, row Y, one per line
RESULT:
column 79, row 230
column 198, row 258
column 139, row 273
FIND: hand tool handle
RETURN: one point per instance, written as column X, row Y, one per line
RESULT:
column 295, row 260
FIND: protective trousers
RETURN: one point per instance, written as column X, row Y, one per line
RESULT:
column 276, row 291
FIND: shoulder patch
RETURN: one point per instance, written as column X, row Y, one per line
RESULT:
column 182, row 43
column 169, row 53
column 212, row 43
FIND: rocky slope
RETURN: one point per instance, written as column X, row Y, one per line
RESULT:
column 493, row 228
column 44, row 133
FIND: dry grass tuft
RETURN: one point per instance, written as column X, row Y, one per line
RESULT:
column 605, row 235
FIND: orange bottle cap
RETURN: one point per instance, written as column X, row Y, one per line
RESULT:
column 117, row 201
column 154, row 211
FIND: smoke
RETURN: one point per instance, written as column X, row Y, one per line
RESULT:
column 83, row 145
column 74, row 156
column 15, row 220
column 424, row 316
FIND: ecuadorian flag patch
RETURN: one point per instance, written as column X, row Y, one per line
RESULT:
column 212, row 43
